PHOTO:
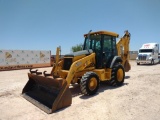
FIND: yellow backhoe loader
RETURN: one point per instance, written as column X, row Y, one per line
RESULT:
column 102, row 59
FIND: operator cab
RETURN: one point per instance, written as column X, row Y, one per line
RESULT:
column 103, row 43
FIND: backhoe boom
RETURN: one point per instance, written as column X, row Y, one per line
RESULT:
column 123, row 50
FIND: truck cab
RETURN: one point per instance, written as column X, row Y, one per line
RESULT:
column 148, row 54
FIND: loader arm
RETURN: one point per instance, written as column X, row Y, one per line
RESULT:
column 79, row 65
column 56, row 67
column 75, row 67
column 123, row 50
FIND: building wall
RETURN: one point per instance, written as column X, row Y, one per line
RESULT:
column 133, row 55
column 20, row 59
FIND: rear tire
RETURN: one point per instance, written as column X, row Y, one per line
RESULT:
column 89, row 83
column 118, row 74
column 138, row 63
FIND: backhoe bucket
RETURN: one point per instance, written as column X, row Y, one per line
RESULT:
column 127, row 66
column 47, row 93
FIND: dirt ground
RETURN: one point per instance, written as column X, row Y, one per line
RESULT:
column 137, row 99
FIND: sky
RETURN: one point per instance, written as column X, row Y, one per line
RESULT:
column 47, row 24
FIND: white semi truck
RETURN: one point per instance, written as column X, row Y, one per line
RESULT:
column 148, row 54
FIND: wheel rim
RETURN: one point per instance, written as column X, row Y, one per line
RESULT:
column 92, row 84
column 120, row 75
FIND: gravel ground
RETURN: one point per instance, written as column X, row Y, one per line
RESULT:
column 137, row 99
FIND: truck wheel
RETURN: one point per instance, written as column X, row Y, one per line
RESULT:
column 89, row 83
column 118, row 74
column 138, row 63
column 152, row 62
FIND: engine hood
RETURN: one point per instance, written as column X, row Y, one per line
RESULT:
column 83, row 52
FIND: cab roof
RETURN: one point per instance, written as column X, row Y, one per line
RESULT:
column 149, row 46
column 103, row 32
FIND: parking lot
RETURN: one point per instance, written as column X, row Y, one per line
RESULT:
column 137, row 99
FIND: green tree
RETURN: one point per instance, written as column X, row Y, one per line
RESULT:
column 76, row 48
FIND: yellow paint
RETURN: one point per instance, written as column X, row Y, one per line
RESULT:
column 120, row 75
column 123, row 51
column 78, row 57
column 104, row 74
column 103, row 32
column 92, row 84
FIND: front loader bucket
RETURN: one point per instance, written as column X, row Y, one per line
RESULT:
column 47, row 93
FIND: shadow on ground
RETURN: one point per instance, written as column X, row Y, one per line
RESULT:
column 75, row 90
column 148, row 64
column 127, row 77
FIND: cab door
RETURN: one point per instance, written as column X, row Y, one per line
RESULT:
column 109, row 49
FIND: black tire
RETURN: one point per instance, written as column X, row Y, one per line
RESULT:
column 118, row 74
column 138, row 63
column 152, row 62
column 89, row 83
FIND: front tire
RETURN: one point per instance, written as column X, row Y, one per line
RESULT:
column 152, row 62
column 138, row 63
column 118, row 74
column 89, row 83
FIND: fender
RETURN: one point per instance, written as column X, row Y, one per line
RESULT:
column 114, row 60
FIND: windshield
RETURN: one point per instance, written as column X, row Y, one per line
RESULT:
column 145, row 50
column 94, row 42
